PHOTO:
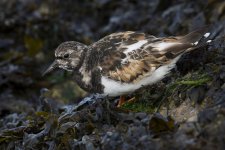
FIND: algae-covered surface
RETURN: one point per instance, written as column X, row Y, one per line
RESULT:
column 186, row 110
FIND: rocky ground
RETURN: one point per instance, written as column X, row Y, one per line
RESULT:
column 184, row 111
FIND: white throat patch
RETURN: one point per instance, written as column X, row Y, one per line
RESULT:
column 86, row 75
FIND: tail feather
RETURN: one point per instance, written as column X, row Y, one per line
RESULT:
column 197, row 37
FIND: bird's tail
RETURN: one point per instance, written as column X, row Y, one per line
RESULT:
column 198, row 38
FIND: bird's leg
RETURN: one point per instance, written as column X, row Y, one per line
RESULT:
column 121, row 101
column 132, row 100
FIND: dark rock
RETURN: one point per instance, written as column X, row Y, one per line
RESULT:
column 206, row 116
column 197, row 94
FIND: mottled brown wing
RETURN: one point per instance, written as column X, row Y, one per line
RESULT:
column 111, row 55
column 129, row 56
column 135, row 67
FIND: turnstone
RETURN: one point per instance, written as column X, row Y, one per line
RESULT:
column 123, row 62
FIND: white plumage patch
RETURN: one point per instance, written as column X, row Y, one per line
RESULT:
column 207, row 35
column 116, row 88
column 86, row 76
column 164, row 45
column 135, row 46
column 196, row 43
column 131, row 48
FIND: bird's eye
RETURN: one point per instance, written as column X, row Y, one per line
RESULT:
column 66, row 56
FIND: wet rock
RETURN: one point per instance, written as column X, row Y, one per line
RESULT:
column 222, row 76
column 111, row 140
column 87, row 142
column 197, row 94
column 5, row 43
column 206, row 116
column 158, row 124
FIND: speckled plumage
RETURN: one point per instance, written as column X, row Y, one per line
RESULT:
column 123, row 62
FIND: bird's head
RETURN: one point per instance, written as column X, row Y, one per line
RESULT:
column 68, row 56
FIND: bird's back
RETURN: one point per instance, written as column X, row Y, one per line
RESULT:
column 128, row 56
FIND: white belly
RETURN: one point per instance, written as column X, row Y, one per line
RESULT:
column 116, row 88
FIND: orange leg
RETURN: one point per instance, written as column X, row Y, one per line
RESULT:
column 121, row 101
column 132, row 100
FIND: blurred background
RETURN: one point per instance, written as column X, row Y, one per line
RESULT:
column 30, row 30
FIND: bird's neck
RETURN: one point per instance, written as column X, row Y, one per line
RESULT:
column 82, row 60
column 88, row 75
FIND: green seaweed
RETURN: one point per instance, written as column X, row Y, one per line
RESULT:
column 195, row 82
column 139, row 107
column 147, row 104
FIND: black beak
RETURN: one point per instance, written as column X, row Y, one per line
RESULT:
column 51, row 68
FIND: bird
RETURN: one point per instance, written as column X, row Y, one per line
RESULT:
column 121, row 63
